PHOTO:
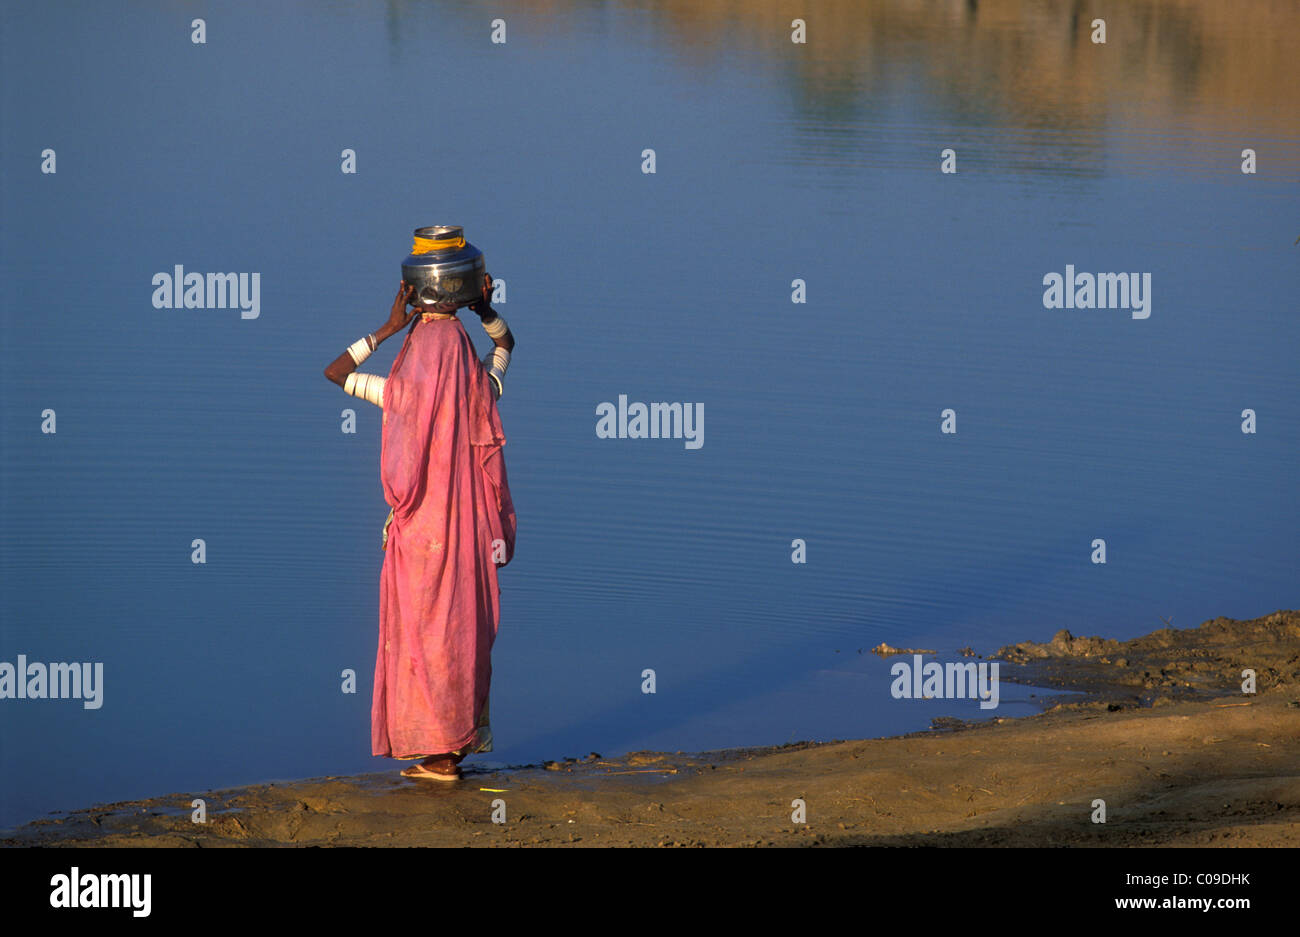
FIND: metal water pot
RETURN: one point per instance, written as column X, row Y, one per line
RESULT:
column 444, row 267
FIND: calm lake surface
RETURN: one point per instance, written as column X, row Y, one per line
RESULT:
column 775, row 161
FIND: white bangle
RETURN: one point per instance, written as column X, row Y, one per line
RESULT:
column 367, row 386
column 496, row 361
column 360, row 350
column 495, row 327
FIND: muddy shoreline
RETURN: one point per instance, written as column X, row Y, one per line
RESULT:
column 1163, row 734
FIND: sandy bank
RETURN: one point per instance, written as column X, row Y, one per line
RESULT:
column 1165, row 737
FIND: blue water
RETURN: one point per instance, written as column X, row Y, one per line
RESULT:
column 822, row 420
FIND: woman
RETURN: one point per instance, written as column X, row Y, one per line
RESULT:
column 452, row 524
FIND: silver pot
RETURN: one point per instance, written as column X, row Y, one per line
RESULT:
column 447, row 269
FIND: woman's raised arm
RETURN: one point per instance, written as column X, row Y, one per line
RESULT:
column 498, row 359
column 343, row 369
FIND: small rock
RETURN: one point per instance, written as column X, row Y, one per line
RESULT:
column 885, row 650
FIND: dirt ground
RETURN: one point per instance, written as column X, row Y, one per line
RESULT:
column 1165, row 736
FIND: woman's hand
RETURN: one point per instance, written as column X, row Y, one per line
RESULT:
column 482, row 307
column 399, row 316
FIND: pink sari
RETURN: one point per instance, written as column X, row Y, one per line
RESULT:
column 453, row 524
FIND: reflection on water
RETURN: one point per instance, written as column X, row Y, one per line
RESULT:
column 1166, row 64
column 776, row 161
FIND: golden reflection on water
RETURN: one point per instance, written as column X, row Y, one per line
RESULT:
column 1019, row 83
column 1217, row 65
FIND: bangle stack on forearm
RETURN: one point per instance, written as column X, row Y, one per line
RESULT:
column 367, row 386
column 361, row 349
column 497, row 360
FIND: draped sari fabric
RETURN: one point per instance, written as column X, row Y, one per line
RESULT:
column 453, row 524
